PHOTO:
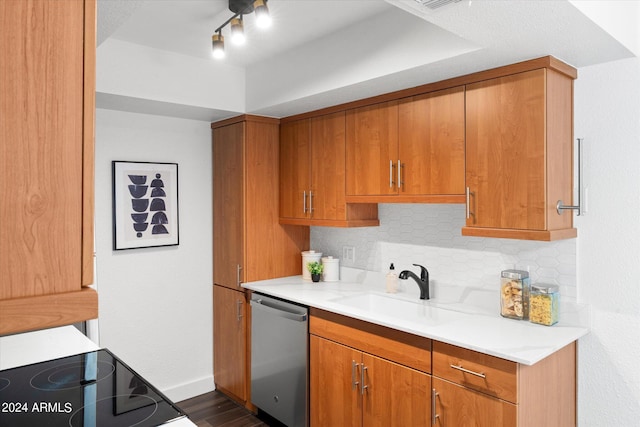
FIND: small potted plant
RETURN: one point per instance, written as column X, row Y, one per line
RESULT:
column 315, row 268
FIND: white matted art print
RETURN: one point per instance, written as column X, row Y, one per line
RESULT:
column 145, row 204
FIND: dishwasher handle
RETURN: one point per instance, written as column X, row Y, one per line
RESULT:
column 263, row 305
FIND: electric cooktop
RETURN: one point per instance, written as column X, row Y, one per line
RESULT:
column 94, row 389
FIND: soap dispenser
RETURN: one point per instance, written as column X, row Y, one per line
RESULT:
column 392, row 280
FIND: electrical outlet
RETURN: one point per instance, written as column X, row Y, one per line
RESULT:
column 349, row 254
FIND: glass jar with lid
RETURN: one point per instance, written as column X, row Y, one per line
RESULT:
column 514, row 294
column 543, row 304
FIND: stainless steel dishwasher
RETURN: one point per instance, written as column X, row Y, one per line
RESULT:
column 279, row 359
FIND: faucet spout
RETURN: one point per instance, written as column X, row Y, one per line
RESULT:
column 422, row 281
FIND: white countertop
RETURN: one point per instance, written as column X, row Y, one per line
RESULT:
column 458, row 317
column 39, row 346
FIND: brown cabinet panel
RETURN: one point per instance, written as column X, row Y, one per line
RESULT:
column 457, row 406
column 432, row 144
column 334, row 395
column 394, row 395
column 312, row 175
column 327, row 167
column 295, row 172
column 506, row 151
column 497, row 377
column 408, row 150
column 372, row 150
column 228, row 205
column 519, row 155
column 230, row 347
column 46, row 159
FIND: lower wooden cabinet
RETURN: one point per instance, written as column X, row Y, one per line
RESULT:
column 367, row 375
column 230, row 349
column 363, row 374
column 458, row 406
column 475, row 389
column 353, row 388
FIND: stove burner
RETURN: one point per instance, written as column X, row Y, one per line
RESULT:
column 89, row 389
column 145, row 409
column 69, row 376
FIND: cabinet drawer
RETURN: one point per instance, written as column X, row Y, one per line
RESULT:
column 491, row 375
column 399, row 347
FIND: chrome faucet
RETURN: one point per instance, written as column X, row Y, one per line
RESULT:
column 422, row 281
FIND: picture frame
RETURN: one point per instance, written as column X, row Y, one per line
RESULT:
column 145, row 204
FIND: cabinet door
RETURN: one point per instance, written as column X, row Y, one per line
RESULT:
column 394, row 395
column 457, row 406
column 328, row 167
column 41, row 148
column 372, row 150
column 334, row 387
column 431, row 143
column 229, row 351
column 295, row 172
column 505, row 130
column 228, row 205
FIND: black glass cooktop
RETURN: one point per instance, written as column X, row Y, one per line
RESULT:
column 94, row 389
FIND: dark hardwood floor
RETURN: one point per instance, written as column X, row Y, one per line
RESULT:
column 216, row 410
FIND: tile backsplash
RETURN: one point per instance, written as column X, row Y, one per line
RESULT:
column 429, row 234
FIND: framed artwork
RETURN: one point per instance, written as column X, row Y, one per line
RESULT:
column 145, row 204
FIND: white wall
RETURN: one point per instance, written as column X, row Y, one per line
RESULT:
column 601, row 266
column 156, row 304
column 607, row 116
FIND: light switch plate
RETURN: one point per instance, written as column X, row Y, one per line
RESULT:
column 348, row 255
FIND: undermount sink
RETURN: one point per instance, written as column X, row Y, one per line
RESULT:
column 384, row 305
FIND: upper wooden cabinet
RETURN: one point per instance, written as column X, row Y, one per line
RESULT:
column 519, row 155
column 312, row 175
column 411, row 149
column 248, row 242
column 47, row 82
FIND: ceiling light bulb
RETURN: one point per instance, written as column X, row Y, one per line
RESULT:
column 237, row 31
column 263, row 19
column 217, row 41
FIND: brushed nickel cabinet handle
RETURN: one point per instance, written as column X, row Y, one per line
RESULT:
column 470, row 213
column 238, row 281
column 434, row 415
column 561, row 206
column 354, row 375
column 391, row 174
column 239, row 310
column 467, row 371
column 363, row 387
column 304, row 202
column 400, row 183
column 311, row 202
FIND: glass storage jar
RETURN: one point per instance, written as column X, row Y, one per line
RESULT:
column 543, row 304
column 514, row 294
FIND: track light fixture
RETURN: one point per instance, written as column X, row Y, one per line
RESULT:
column 240, row 8
column 237, row 30
column 217, row 40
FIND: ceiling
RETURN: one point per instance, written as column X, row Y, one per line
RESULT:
column 324, row 52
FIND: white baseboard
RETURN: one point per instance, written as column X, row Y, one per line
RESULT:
column 190, row 389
